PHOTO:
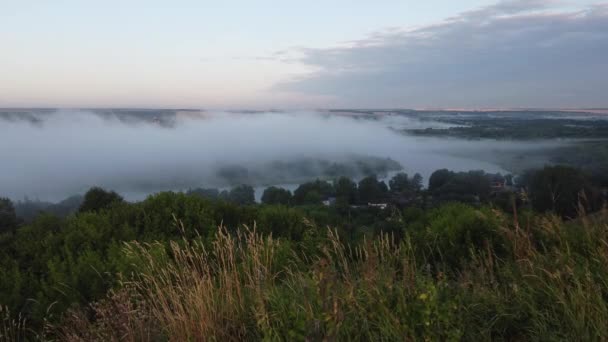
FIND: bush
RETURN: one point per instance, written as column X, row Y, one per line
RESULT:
column 456, row 232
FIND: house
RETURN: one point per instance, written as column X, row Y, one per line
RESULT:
column 380, row 206
column 329, row 201
column 497, row 186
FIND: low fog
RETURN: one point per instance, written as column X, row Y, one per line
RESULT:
column 52, row 154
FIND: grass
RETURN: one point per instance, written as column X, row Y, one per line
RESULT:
column 549, row 282
column 12, row 329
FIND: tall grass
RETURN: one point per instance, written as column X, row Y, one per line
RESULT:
column 549, row 282
column 12, row 329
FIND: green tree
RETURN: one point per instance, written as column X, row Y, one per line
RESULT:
column 416, row 182
column 97, row 199
column 275, row 195
column 313, row 192
column 400, row 183
column 439, row 178
column 472, row 186
column 8, row 218
column 346, row 191
column 211, row 194
column 371, row 190
column 560, row 189
column 242, row 194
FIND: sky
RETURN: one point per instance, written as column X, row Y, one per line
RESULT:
column 304, row 54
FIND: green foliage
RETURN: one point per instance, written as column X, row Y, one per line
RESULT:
column 346, row 191
column 467, row 187
column 211, row 194
column 313, row 192
column 514, row 284
column 8, row 218
column 455, row 232
column 97, row 199
column 281, row 221
column 561, row 189
column 274, row 272
column 439, row 178
column 242, row 194
column 275, row 195
column 402, row 183
column 371, row 190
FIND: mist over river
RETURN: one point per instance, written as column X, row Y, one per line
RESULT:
column 51, row 154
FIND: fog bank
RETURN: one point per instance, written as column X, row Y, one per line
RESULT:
column 59, row 153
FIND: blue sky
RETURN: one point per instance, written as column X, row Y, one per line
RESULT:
column 304, row 54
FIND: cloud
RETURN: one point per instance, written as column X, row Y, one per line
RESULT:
column 517, row 53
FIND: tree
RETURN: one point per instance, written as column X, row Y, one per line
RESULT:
column 439, row 178
column 477, row 183
column 275, row 195
column 371, row 190
column 242, row 194
column 416, row 182
column 346, row 191
column 470, row 187
column 560, row 189
column 97, row 199
column 400, row 183
column 211, row 194
column 8, row 218
column 313, row 192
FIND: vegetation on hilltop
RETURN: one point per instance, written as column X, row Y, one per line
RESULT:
column 463, row 259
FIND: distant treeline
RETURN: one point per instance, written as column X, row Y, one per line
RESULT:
column 281, row 172
column 519, row 129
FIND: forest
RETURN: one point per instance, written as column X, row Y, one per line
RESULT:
column 465, row 255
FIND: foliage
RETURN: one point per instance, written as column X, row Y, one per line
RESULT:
column 247, row 286
column 313, row 192
column 562, row 190
column 401, row 183
column 346, row 191
column 455, row 232
column 8, row 218
column 97, row 199
column 211, row 194
column 468, row 187
column 371, row 190
column 275, row 195
column 242, row 194
column 450, row 271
